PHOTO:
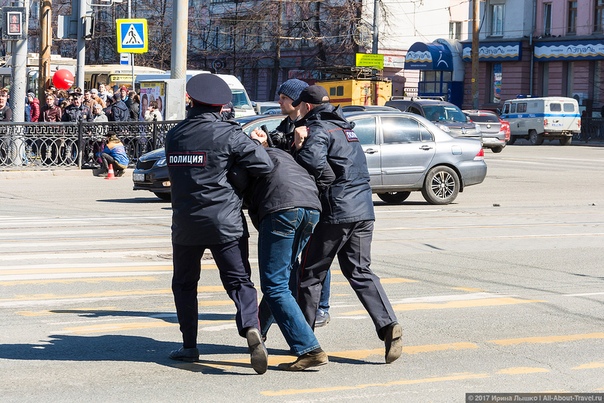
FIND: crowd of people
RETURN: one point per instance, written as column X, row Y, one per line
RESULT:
column 308, row 196
column 119, row 104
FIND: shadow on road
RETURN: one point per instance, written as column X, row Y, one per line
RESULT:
column 123, row 348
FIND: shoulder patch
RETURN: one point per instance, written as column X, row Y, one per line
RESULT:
column 351, row 135
column 187, row 159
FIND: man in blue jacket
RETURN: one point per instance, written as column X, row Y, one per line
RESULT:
column 206, row 213
column 330, row 150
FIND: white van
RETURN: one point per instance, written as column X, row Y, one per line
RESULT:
column 537, row 119
column 241, row 101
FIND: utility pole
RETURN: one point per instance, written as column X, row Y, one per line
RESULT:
column 475, row 53
column 45, row 47
column 376, row 30
column 81, row 53
column 19, row 70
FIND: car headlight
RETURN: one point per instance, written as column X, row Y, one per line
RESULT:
column 444, row 128
column 161, row 162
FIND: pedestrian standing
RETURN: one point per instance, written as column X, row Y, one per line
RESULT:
column 206, row 213
column 330, row 150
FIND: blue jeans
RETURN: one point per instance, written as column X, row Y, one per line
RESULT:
column 281, row 237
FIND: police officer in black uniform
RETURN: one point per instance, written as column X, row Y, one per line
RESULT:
column 207, row 214
column 330, row 150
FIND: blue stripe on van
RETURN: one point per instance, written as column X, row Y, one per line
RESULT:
column 540, row 115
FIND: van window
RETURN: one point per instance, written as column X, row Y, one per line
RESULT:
column 555, row 107
column 569, row 107
column 506, row 108
column 521, row 107
column 513, row 108
column 365, row 130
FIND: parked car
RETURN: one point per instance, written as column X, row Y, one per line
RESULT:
column 495, row 131
column 151, row 172
column 367, row 108
column 262, row 106
column 405, row 152
column 449, row 117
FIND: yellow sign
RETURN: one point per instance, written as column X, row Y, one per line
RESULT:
column 370, row 60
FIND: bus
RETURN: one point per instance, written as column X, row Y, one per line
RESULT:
column 109, row 74
column 241, row 100
column 57, row 62
column 114, row 74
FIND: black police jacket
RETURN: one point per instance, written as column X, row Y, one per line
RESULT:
column 288, row 186
column 200, row 150
column 333, row 154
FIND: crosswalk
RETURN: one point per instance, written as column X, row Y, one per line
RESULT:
column 75, row 277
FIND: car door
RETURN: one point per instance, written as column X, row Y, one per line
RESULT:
column 365, row 129
column 407, row 150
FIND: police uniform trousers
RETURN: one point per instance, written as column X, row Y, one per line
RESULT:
column 351, row 243
column 235, row 274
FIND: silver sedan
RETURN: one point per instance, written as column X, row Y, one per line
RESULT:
column 406, row 152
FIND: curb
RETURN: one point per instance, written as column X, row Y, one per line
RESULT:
column 26, row 173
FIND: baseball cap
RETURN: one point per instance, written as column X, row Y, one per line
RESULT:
column 313, row 94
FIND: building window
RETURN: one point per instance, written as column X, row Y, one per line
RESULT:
column 496, row 78
column 547, row 19
column 572, row 17
column 497, row 20
column 455, row 29
column 599, row 16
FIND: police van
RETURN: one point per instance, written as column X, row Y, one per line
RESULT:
column 537, row 119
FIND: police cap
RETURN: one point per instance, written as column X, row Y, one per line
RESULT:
column 209, row 89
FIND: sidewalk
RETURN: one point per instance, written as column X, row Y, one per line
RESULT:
column 21, row 172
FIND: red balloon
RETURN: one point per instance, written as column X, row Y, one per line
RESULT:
column 63, row 79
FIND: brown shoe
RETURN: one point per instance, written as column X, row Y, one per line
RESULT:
column 258, row 353
column 394, row 342
column 311, row 359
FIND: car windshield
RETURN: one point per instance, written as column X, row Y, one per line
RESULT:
column 439, row 113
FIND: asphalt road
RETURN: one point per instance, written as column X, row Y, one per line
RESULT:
column 502, row 291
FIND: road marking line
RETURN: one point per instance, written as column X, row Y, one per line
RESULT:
column 70, row 279
column 591, row 365
column 548, row 339
column 587, row 294
column 453, row 377
column 455, row 304
column 521, row 370
column 119, row 327
column 390, row 280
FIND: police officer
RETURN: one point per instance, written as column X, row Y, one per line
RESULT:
column 200, row 151
column 330, row 150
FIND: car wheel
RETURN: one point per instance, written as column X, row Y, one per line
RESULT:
column 163, row 196
column 565, row 141
column 441, row 185
column 394, row 197
column 497, row 150
column 512, row 140
column 535, row 138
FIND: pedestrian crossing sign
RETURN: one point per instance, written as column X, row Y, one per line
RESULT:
column 132, row 36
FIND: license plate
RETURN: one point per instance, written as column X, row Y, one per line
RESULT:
column 138, row 177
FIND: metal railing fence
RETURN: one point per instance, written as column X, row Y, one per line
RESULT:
column 46, row 145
